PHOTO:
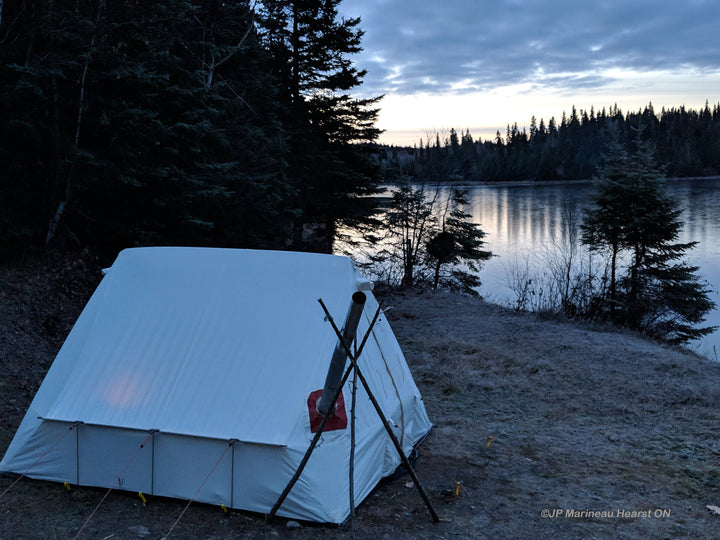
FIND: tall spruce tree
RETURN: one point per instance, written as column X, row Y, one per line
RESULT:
column 455, row 251
column 604, row 224
column 330, row 167
column 131, row 123
column 633, row 219
column 250, row 201
column 41, row 105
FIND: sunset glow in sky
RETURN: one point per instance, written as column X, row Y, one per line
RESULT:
column 484, row 64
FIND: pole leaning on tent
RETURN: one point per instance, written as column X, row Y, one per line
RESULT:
column 381, row 415
column 347, row 353
column 333, row 399
column 335, row 372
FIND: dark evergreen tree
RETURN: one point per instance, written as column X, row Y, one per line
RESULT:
column 429, row 239
column 251, row 205
column 330, row 167
column 603, row 227
column 42, row 74
column 410, row 222
column 633, row 218
column 138, row 123
column 455, row 250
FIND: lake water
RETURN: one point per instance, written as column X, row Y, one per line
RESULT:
column 524, row 221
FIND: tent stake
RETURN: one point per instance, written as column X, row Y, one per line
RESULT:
column 385, row 422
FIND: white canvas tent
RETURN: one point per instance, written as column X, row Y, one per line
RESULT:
column 187, row 350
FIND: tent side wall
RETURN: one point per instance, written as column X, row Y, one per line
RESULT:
column 126, row 459
column 246, row 476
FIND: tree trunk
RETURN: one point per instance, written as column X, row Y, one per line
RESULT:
column 613, row 267
column 408, row 269
column 62, row 205
column 295, row 73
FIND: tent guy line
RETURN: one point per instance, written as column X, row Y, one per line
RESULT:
column 142, row 445
column 25, row 473
column 230, row 445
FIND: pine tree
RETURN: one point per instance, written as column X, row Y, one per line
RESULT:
column 330, row 167
column 638, row 223
column 458, row 246
column 140, row 123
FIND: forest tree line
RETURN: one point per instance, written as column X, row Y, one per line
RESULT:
column 199, row 122
column 621, row 261
column 193, row 122
column 687, row 141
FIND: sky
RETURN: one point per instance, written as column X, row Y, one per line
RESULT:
column 484, row 64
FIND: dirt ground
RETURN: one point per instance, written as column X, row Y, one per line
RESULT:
column 543, row 428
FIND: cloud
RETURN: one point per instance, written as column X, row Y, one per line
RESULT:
column 459, row 46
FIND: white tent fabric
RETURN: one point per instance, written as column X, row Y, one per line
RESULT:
column 190, row 349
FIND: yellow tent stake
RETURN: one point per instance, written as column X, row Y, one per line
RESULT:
column 224, row 508
column 142, row 497
column 457, row 489
column 67, row 486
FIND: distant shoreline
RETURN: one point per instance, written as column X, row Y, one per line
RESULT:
column 529, row 183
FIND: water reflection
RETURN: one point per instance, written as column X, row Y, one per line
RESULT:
column 522, row 221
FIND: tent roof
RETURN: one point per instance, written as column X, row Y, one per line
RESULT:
column 201, row 341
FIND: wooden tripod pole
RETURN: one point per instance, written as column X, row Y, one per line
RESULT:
column 385, row 422
column 325, row 417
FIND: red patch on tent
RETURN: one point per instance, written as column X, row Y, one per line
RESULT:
column 338, row 420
